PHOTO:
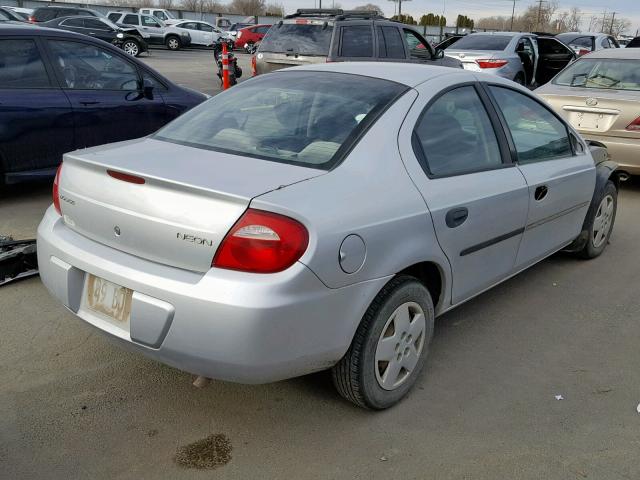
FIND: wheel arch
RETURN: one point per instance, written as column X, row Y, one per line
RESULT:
column 432, row 276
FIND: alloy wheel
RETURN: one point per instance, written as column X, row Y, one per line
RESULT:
column 131, row 48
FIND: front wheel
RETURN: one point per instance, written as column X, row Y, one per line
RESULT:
column 173, row 43
column 390, row 346
column 131, row 47
column 600, row 222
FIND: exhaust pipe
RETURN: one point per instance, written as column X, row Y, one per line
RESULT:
column 623, row 176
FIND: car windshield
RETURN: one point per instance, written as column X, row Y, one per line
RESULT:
column 294, row 117
column 111, row 24
column 303, row 39
column 482, row 42
column 609, row 73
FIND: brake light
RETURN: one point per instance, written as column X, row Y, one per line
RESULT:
column 254, row 66
column 634, row 126
column 262, row 242
column 583, row 51
column 31, row 19
column 491, row 63
column 125, row 177
column 302, row 21
column 56, row 191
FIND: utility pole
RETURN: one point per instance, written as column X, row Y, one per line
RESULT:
column 613, row 16
column 604, row 20
column 513, row 14
column 539, row 12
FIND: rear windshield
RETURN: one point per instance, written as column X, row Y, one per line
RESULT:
column 304, row 39
column 608, row 73
column 482, row 42
column 290, row 117
column 576, row 41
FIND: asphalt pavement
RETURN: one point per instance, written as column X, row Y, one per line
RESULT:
column 72, row 405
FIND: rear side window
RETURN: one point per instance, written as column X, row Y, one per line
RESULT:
column 537, row 134
column 73, row 22
column 483, row 42
column 131, row 20
column 95, row 24
column 455, row 135
column 357, row 41
column 114, row 17
column 21, row 65
column 301, row 118
column 303, row 39
column 45, row 14
column 148, row 21
column 390, row 43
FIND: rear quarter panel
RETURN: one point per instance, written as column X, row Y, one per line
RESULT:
column 371, row 195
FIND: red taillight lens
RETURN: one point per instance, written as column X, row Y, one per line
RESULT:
column 254, row 67
column 634, row 126
column 32, row 19
column 262, row 242
column 491, row 63
column 583, row 51
column 56, row 191
column 125, row 177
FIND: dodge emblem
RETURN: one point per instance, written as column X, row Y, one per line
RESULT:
column 592, row 102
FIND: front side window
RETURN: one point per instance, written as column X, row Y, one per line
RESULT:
column 148, row 21
column 87, row 67
column 455, row 135
column 537, row 133
column 418, row 47
column 604, row 43
column 296, row 117
column 602, row 73
column 114, row 17
column 21, row 65
column 357, row 41
column 95, row 24
column 205, row 28
column 160, row 14
column 189, row 26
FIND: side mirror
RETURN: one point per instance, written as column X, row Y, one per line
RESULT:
column 146, row 89
column 439, row 54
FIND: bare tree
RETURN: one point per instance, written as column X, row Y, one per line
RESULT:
column 274, row 10
column 248, row 7
column 192, row 5
column 609, row 24
column 370, row 7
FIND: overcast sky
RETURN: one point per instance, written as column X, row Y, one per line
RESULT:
column 482, row 8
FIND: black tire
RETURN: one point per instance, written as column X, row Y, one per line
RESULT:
column 131, row 47
column 355, row 376
column 520, row 79
column 595, row 245
column 173, row 42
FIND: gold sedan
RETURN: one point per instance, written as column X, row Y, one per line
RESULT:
column 599, row 95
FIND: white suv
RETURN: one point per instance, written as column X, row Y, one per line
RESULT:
column 153, row 30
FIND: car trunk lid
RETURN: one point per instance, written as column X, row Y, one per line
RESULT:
column 164, row 202
column 469, row 57
column 597, row 111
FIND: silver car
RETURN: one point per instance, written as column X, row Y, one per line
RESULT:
column 318, row 218
column 585, row 42
column 525, row 58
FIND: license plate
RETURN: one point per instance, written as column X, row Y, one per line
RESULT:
column 588, row 121
column 109, row 299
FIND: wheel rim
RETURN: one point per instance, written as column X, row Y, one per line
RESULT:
column 131, row 48
column 602, row 221
column 173, row 43
column 400, row 346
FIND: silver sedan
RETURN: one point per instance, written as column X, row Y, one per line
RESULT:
column 319, row 218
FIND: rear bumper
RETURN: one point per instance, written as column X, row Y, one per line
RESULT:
column 624, row 151
column 223, row 324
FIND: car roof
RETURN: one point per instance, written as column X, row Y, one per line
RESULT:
column 504, row 34
column 583, row 34
column 408, row 74
column 36, row 30
column 623, row 53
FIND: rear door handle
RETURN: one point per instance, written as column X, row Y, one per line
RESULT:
column 456, row 217
column 88, row 102
column 541, row 192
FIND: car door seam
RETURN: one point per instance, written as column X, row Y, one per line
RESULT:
column 556, row 215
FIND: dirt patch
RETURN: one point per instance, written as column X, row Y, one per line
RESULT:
column 211, row 452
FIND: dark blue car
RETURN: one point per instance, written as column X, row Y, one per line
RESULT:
column 60, row 91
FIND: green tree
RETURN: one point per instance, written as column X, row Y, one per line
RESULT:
column 408, row 19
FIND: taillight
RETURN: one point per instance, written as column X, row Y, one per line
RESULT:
column 583, row 51
column 254, row 66
column 634, row 126
column 491, row 63
column 262, row 242
column 125, row 177
column 56, row 191
column 32, row 19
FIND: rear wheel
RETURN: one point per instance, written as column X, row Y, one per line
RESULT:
column 600, row 223
column 390, row 346
column 173, row 43
column 131, row 47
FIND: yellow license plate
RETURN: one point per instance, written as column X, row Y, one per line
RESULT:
column 109, row 299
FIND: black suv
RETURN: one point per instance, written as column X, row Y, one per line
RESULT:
column 44, row 14
column 319, row 36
